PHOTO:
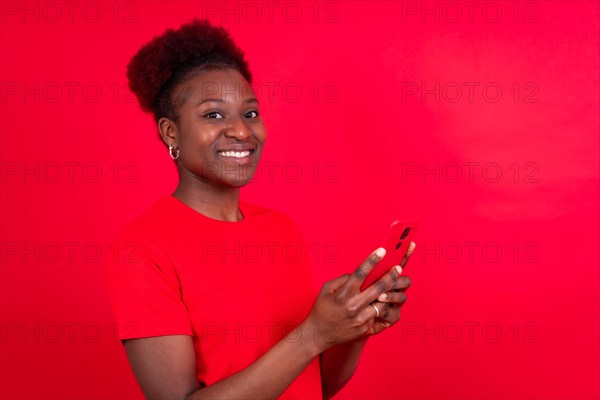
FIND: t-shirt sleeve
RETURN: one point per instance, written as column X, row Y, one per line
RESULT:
column 144, row 291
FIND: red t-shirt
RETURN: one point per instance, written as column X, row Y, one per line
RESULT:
column 236, row 287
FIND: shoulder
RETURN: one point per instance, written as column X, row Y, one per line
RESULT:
column 141, row 245
column 150, row 222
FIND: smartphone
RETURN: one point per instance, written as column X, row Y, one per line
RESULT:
column 396, row 243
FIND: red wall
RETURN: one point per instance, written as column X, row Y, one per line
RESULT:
column 481, row 120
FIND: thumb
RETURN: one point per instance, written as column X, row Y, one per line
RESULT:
column 409, row 252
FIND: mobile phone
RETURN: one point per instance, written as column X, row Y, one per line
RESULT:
column 396, row 243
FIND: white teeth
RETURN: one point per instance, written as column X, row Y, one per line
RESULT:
column 237, row 154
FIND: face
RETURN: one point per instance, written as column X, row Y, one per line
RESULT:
column 220, row 133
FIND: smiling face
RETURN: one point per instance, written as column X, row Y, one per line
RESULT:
column 219, row 131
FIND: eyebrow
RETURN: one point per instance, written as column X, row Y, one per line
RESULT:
column 247, row 101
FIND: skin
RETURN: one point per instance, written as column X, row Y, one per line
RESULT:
column 208, row 182
column 164, row 366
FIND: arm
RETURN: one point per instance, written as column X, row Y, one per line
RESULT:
column 338, row 365
column 164, row 367
column 339, row 362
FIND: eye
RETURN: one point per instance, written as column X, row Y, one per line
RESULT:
column 213, row 114
column 251, row 114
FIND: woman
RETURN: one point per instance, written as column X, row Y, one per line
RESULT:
column 214, row 304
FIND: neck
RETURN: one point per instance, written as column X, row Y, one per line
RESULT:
column 220, row 203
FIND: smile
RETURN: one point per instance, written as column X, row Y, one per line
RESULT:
column 236, row 154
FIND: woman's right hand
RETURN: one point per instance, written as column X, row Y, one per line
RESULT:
column 341, row 312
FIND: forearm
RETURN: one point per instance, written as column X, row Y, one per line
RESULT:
column 268, row 376
column 338, row 365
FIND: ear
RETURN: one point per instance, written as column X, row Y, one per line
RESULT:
column 168, row 130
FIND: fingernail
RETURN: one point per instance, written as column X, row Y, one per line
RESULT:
column 399, row 269
column 380, row 252
column 411, row 248
column 382, row 297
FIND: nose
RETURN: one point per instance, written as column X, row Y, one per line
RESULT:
column 238, row 129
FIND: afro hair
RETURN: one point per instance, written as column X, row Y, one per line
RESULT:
column 156, row 70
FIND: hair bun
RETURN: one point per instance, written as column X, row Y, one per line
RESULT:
column 195, row 43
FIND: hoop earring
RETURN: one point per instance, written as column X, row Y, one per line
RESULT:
column 176, row 156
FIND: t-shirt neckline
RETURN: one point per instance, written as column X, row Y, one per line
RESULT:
column 191, row 211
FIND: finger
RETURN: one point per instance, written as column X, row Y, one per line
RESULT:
column 392, row 297
column 389, row 314
column 386, row 283
column 380, row 310
column 334, row 284
column 366, row 317
column 411, row 249
column 385, row 324
column 358, row 276
column 374, row 310
column 401, row 284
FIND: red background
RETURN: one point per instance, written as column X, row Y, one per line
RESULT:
column 504, row 178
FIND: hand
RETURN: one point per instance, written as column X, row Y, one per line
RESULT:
column 389, row 303
column 342, row 313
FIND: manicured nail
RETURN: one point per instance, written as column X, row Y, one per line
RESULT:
column 399, row 269
column 382, row 296
column 411, row 248
column 380, row 252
